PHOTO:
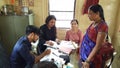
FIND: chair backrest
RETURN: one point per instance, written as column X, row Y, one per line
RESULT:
column 109, row 62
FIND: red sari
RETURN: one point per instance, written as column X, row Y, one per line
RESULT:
column 89, row 42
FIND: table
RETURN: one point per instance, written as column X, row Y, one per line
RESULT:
column 64, row 48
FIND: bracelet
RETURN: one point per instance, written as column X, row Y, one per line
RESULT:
column 87, row 61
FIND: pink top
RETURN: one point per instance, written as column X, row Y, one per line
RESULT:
column 74, row 36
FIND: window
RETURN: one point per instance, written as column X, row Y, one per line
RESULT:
column 63, row 11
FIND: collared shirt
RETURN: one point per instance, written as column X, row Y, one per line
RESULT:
column 21, row 57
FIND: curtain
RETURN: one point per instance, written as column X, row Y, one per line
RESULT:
column 87, row 4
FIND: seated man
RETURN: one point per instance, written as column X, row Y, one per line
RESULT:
column 21, row 56
column 47, row 64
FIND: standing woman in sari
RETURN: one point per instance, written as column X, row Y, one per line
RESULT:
column 93, row 38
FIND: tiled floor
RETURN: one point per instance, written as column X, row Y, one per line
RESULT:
column 115, row 63
column 74, row 59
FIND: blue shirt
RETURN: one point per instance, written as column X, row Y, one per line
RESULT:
column 21, row 57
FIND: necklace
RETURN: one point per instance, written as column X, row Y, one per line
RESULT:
column 97, row 22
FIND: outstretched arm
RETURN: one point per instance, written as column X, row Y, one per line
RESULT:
column 37, row 58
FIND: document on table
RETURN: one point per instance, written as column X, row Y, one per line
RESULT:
column 64, row 46
column 68, row 44
column 53, row 55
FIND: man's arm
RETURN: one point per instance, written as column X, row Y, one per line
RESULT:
column 37, row 58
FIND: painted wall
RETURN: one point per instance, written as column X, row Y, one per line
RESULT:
column 110, row 11
column 40, row 10
column 2, row 2
column 116, row 39
column 112, row 15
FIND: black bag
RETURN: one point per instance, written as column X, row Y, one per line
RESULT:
column 66, row 58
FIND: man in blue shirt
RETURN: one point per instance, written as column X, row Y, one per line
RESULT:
column 21, row 56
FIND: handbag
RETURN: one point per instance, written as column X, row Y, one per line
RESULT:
column 105, row 53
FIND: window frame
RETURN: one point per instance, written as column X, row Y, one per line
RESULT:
column 62, row 11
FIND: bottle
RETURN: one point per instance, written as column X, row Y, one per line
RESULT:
column 5, row 9
column 69, row 65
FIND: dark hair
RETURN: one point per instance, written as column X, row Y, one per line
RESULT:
column 47, row 64
column 49, row 18
column 97, row 8
column 74, row 20
column 32, row 28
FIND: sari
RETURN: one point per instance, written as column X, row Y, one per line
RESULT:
column 89, row 42
column 86, row 47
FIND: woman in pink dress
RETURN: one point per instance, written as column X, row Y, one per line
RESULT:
column 74, row 34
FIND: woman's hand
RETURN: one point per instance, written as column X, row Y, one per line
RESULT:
column 85, row 65
column 58, row 41
column 50, row 43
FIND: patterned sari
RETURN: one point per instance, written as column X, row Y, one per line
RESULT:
column 86, row 48
column 89, row 41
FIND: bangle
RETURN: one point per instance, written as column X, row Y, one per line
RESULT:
column 87, row 61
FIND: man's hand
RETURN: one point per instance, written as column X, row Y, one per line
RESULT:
column 46, row 52
column 37, row 59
